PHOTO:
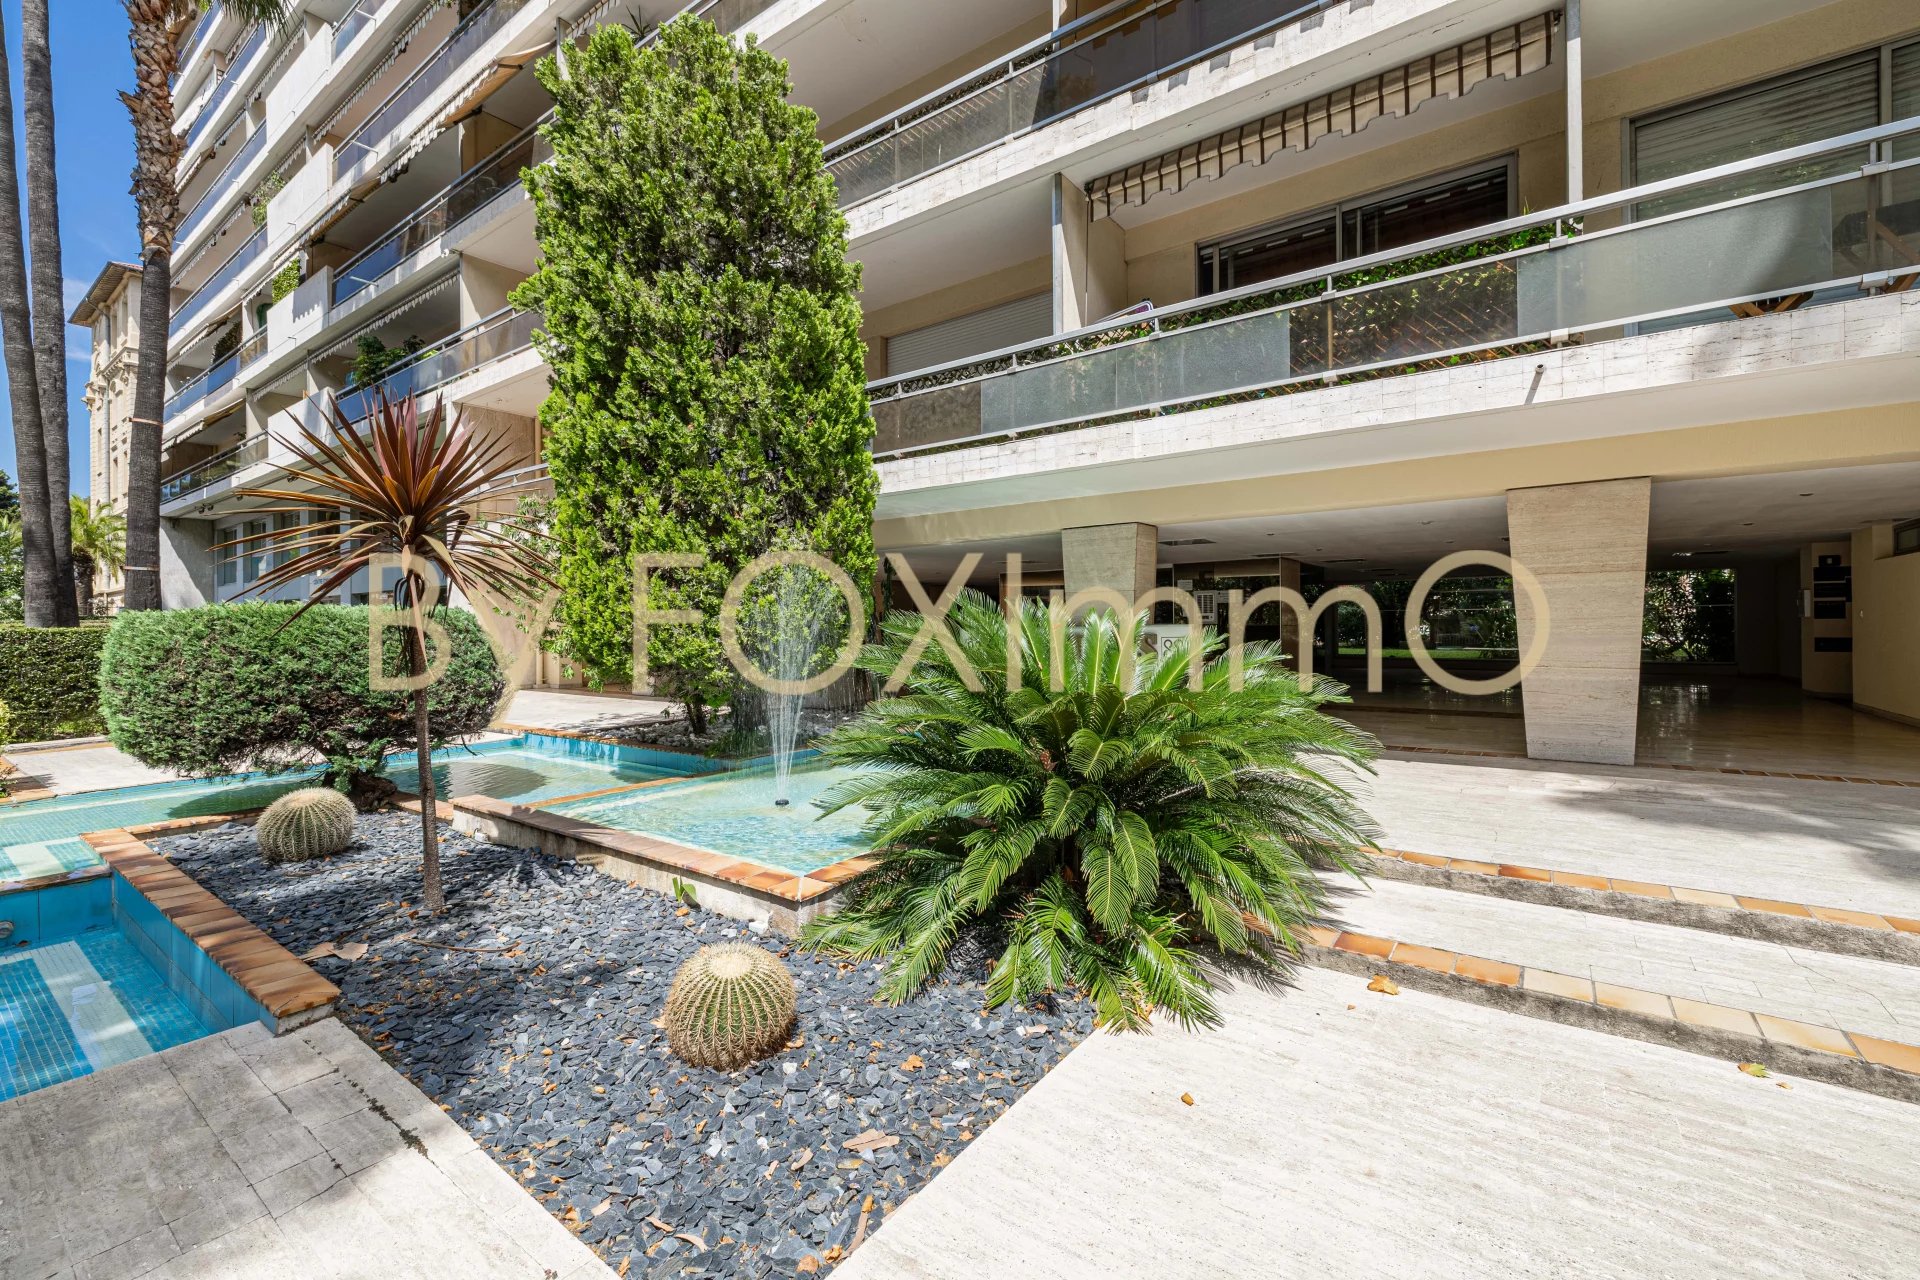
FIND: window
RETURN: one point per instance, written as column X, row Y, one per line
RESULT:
column 1404, row 215
column 1906, row 538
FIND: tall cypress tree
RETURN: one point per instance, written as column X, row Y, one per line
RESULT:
column 708, row 387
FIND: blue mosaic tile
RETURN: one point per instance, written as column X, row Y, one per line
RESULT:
column 37, row 1044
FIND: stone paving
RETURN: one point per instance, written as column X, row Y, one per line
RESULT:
column 243, row 1157
column 532, row 1013
column 1335, row 1131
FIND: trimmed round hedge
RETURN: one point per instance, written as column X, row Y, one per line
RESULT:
column 229, row 687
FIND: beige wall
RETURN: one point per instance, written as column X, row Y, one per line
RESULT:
column 1886, row 626
column 1022, row 281
column 947, row 73
column 483, row 288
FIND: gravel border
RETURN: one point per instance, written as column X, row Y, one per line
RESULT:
column 534, row 1022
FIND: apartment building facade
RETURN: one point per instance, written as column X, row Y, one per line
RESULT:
column 1190, row 293
column 110, row 312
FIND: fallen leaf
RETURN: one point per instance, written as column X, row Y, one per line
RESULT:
column 698, row 1242
column 833, row 1254
column 663, row 1226
column 800, row 1160
column 871, row 1140
column 1353, row 1006
column 1187, row 1098
column 942, row 1160
column 1384, row 985
column 351, row 950
column 1783, row 1084
column 624, row 1264
column 684, row 911
column 1754, row 1069
column 913, row 1063
column 602, row 1207
column 808, row 1265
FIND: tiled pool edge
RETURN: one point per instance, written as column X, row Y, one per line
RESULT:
column 735, row 887
column 285, row 987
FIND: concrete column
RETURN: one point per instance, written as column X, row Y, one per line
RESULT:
column 1115, row 557
column 1587, row 545
column 1089, row 260
column 1290, row 637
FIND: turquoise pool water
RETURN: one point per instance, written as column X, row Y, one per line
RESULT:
column 736, row 815
column 39, row 838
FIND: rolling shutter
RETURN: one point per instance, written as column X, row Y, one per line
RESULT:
column 1007, row 325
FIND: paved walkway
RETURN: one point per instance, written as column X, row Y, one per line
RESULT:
column 243, row 1157
column 1829, row 843
column 1334, row 1130
column 582, row 712
column 95, row 768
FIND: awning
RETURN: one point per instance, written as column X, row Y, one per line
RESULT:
column 393, row 53
column 488, row 82
column 426, row 295
column 1505, row 54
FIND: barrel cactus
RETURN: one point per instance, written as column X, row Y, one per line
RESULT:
column 730, row 1005
column 310, row 823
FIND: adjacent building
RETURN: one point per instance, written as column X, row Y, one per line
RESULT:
column 111, row 314
column 1208, row 294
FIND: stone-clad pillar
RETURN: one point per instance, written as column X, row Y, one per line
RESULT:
column 1118, row 557
column 1587, row 545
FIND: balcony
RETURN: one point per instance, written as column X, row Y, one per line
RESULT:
column 500, row 334
column 205, row 474
column 195, row 306
column 207, row 22
column 219, row 375
column 215, row 196
column 1101, row 56
column 428, row 78
column 1802, row 226
column 465, row 195
column 363, row 12
column 235, row 72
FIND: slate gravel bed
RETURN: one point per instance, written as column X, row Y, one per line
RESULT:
column 543, row 1042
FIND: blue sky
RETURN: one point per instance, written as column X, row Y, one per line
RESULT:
column 93, row 152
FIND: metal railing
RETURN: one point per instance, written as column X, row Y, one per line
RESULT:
column 1101, row 56
column 465, row 195
column 348, row 27
column 217, row 191
column 1766, row 234
column 213, row 470
column 242, row 258
column 235, row 72
column 200, row 29
column 501, row 334
column 425, row 80
column 218, row 375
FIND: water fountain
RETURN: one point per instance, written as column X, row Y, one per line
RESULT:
column 801, row 609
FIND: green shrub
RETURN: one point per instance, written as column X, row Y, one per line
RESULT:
column 305, row 824
column 1107, row 834
column 286, row 279
column 213, row 690
column 50, row 680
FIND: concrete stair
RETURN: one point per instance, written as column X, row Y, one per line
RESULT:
column 1845, row 1009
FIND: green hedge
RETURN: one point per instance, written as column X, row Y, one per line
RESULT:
column 50, row 680
column 229, row 687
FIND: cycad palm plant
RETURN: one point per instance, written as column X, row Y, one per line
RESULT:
column 412, row 485
column 1113, row 832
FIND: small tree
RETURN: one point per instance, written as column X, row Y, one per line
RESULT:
column 99, row 543
column 708, row 387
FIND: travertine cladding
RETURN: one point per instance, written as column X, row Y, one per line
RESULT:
column 1111, row 557
column 1217, row 91
column 1830, row 336
column 1587, row 546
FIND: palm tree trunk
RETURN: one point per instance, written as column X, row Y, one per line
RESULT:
column 49, row 301
column 82, row 585
column 435, row 897
column 23, row 383
column 156, row 153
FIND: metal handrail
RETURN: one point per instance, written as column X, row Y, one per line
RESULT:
column 457, row 354
column 200, row 29
column 1063, row 43
column 1336, row 284
column 221, row 465
column 217, row 190
column 235, row 72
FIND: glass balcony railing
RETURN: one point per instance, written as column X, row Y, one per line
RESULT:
column 730, row 15
column 1764, row 235
column 207, row 22
column 195, row 306
column 428, row 78
column 235, row 72
column 1101, row 56
column 217, row 376
column 218, row 190
column 500, row 334
column 364, row 12
column 215, row 469
column 465, row 195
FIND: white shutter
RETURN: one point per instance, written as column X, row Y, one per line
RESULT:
column 1007, row 325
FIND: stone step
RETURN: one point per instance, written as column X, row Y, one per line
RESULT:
column 1845, row 1019
column 1840, row 930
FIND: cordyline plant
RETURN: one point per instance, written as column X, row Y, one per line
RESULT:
column 1107, row 835
column 412, row 486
